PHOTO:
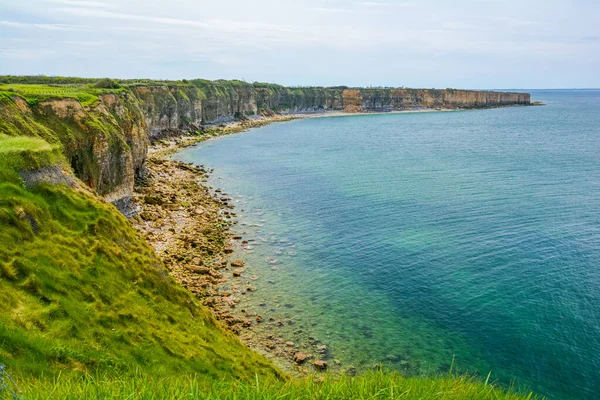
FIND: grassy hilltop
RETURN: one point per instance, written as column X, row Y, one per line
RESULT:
column 88, row 311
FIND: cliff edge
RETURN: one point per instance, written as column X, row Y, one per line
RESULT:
column 104, row 127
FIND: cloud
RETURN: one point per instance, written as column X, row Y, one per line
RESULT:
column 83, row 43
column 222, row 25
column 82, row 3
column 27, row 54
column 385, row 4
column 51, row 27
column 330, row 10
column 351, row 39
column 93, row 12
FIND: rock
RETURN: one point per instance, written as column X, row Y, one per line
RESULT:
column 320, row 364
column 289, row 344
column 237, row 263
column 322, row 348
column 238, row 272
column 259, row 318
column 228, row 250
column 153, row 199
column 237, row 237
column 200, row 270
column 300, row 357
column 197, row 261
column 148, row 216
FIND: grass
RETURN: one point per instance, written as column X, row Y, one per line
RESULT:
column 372, row 385
column 22, row 153
column 82, row 293
column 87, row 95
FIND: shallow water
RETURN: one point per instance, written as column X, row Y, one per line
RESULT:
column 410, row 238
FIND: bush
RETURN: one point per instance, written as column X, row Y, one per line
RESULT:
column 107, row 83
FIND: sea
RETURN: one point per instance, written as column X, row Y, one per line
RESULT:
column 428, row 241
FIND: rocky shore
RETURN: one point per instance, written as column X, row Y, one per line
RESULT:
column 190, row 226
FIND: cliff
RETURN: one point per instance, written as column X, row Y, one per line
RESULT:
column 104, row 128
column 406, row 99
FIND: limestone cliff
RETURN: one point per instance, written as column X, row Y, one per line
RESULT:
column 104, row 133
column 404, row 99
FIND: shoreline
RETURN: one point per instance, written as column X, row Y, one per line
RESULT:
column 176, row 203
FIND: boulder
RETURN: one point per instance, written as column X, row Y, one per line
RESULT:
column 200, row 270
column 238, row 272
column 320, row 364
column 300, row 357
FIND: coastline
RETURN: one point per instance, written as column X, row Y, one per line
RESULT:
column 176, row 203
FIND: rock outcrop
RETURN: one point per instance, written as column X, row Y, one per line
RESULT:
column 104, row 133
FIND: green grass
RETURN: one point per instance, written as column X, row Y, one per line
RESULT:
column 372, row 385
column 87, row 95
column 82, row 292
column 22, row 153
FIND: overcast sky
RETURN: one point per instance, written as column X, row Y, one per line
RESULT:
column 415, row 43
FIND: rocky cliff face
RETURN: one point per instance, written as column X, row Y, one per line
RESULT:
column 403, row 99
column 298, row 100
column 106, row 140
column 105, row 144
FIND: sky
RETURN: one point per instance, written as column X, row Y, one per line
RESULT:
column 472, row 44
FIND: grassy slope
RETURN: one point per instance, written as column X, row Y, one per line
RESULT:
column 80, row 290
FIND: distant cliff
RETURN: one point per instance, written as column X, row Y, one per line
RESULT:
column 104, row 128
column 175, row 106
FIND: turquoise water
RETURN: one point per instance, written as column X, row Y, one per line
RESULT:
column 411, row 238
